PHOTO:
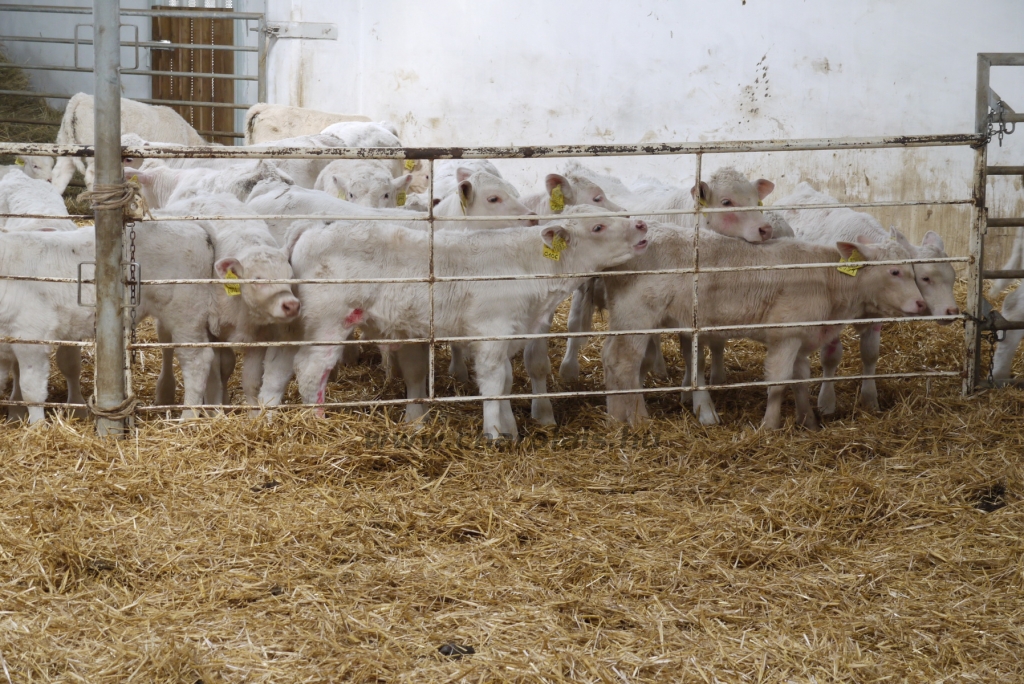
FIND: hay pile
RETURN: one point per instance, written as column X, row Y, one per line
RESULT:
column 231, row 549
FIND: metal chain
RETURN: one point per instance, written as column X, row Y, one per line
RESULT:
column 133, row 287
column 997, row 125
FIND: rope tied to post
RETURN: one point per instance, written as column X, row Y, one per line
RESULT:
column 126, row 196
column 123, row 410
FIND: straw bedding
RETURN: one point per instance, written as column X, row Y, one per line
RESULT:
column 347, row 548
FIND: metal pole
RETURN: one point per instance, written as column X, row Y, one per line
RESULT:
column 972, row 330
column 110, row 352
column 261, row 59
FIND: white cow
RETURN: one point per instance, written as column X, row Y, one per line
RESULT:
column 40, row 168
column 20, row 194
column 462, row 308
column 250, row 312
column 269, row 122
column 50, row 311
column 826, row 226
column 815, row 296
column 164, row 185
column 368, row 183
column 151, row 122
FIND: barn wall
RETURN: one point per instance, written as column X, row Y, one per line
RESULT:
column 531, row 72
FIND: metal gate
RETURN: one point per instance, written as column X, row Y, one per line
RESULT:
column 191, row 60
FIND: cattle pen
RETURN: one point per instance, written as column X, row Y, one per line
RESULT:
column 244, row 546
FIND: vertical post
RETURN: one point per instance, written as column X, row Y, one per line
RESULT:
column 110, row 352
column 695, row 351
column 979, row 226
column 261, row 60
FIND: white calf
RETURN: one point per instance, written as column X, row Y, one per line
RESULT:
column 368, row 183
column 20, row 194
column 268, row 122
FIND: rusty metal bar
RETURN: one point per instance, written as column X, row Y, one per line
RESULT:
column 1011, row 274
column 142, row 43
column 1004, row 170
column 110, row 390
column 431, row 334
column 1014, row 222
column 695, row 351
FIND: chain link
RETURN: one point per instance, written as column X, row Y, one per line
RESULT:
column 997, row 125
column 133, row 288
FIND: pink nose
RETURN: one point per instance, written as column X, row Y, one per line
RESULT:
column 290, row 307
column 921, row 306
column 765, row 231
column 952, row 311
column 532, row 222
column 641, row 226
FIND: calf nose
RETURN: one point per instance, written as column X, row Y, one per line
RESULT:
column 765, row 231
column 290, row 307
column 532, row 222
column 641, row 226
column 921, row 306
column 952, row 311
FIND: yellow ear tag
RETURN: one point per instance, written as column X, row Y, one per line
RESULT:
column 462, row 202
column 554, row 252
column 19, row 161
column 410, row 164
column 760, row 203
column 233, row 290
column 557, row 201
column 702, row 202
column 400, row 198
column 851, row 270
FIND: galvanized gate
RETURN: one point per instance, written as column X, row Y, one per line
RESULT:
column 191, row 59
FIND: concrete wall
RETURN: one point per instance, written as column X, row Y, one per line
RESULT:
column 532, row 72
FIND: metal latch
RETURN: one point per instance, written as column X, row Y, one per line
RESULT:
column 306, row 30
column 80, row 282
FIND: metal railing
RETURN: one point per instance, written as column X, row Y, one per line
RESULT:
column 434, row 337
column 260, row 49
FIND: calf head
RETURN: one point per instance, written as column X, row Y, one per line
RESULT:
column 577, row 191
column 593, row 243
column 40, row 168
column 266, row 303
column 729, row 188
column 887, row 290
column 934, row 280
column 368, row 185
column 484, row 194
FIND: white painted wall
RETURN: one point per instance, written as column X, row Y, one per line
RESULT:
column 529, row 72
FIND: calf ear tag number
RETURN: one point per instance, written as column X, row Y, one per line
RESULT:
column 557, row 201
column 410, row 164
column 233, row 289
column 854, row 266
column 554, row 252
column 400, row 198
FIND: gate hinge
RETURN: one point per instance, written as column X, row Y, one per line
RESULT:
column 306, row 30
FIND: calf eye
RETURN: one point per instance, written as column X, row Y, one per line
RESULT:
column 597, row 229
column 895, row 272
column 726, row 203
column 386, row 195
column 493, row 199
column 598, row 198
column 927, row 280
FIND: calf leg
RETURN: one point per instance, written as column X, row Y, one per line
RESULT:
column 33, row 376
column 165, row 382
column 538, row 365
column 801, row 392
column 457, row 367
column 870, row 341
column 277, row 371
column 69, row 361
column 703, row 405
column 1002, row 360
column 508, row 419
column 686, row 351
column 252, row 373
column 581, row 319
column 831, row 355
column 312, row 368
column 622, row 357
column 412, row 360
column 493, row 368
column 717, row 347
column 779, row 365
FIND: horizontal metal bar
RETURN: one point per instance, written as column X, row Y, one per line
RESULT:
column 1004, row 170
column 540, row 336
column 143, row 43
column 188, row 14
column 1005, row 324
column 44, row 404
column 214, row 134
column 28, row 122
column 1014, row 222
column 45, row 279
column 539, row 276
column 182, row 103
column 53, row 343
column 1011, row 274
column 551, row 395
column 132, row 72
column 1003, row 58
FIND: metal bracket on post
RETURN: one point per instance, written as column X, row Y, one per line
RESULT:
column 81, row 282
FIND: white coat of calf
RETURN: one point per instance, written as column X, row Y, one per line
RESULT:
column 278, row 198
column 268, row 122
column 20, row 194
column 826, row 226
column 726, row 188
column 50, row 311
column 151, row 122
column 463, row 308
column 479, row 194
column 562, row 191
column 446, row 174
column 245, row 249
column 382, row 134
column 815, row 296
column 164, row 185
column 368, row 183
column 40, row 168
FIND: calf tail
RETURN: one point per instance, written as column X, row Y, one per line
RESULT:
column 1015, row 261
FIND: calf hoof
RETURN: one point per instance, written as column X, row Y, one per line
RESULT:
column 869, row 402
column 809, row 422
column 414, row 412
column 706, row 415
column 827, row 402
column 542, row 411
column 569, row 371
column 660, row 370
column 459, row 372
column 79, row 414
column 349, row 357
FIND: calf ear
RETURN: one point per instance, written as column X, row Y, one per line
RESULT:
column 145, row 178
column 554, row 180
column 900, row 238
column 701, row 193
column 932, row 239
column 228, row 264
column 868, row 249
column 764, row 187
column 465, row 190
column 462, row 173
column 551, row 231
column 402, row 182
